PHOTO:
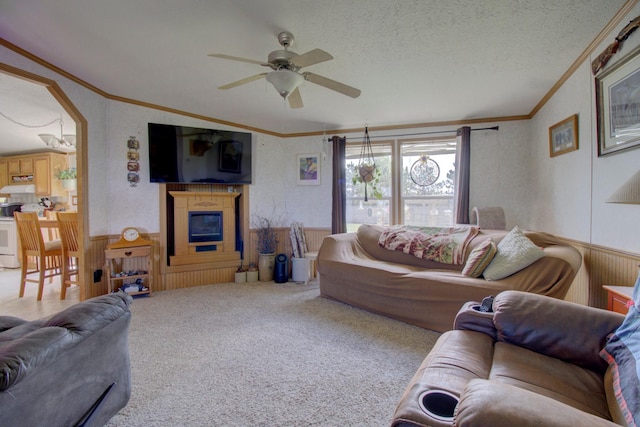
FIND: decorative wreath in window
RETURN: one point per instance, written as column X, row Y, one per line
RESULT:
column 425, row 171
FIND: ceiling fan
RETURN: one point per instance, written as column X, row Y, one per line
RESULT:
column 285, row 75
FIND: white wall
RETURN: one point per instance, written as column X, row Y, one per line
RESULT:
column 274, row 167
column 581, row 180
column 276, row 178
column 501, row 170
column 94, row 109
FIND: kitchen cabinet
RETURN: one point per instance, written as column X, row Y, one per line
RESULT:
column 20, row 165
column 38, row 169
column 45, row 168
column 4, row 173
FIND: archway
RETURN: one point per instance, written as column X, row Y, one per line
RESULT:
column 81, row 161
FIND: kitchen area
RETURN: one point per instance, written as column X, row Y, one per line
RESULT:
column 37, row 155
column 31, row 183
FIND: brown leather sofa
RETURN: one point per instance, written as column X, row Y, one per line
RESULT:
column 533, row 361
column 354, row 269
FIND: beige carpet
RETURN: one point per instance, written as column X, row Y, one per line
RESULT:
column 265, row 354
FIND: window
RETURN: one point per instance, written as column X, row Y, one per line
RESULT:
column 416, row 179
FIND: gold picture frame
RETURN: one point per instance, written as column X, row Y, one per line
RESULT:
column 563, row 136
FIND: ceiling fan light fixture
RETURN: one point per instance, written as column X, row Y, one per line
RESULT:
column 285, row 81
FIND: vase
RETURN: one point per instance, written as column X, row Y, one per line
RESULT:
column 265, row 267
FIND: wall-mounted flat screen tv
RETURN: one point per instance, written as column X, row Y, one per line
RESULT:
column 181, row 154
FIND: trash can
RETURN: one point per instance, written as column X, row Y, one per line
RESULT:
column 281, row 269
column 300, row 270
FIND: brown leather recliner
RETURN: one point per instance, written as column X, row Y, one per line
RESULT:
column 533, row 361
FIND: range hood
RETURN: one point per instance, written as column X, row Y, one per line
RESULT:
column 18, row 189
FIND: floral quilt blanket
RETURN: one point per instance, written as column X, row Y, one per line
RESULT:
column 445, row 245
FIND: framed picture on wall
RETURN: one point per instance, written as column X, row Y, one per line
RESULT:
column 230, row 156
column 563, row 136
column 308, row 169
column 618, row 105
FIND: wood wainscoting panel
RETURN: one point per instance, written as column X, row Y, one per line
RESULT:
column 601, row 266
column 313, row 236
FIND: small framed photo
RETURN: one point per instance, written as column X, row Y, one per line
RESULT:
column 308, row 169
column 133, row 166
column 133, row 155
column 133, row 143
column 617, row 101
column 563, row 136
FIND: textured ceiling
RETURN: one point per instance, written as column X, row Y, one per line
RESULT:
column 415, row 61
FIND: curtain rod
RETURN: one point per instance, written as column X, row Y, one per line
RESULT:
column 419, row 133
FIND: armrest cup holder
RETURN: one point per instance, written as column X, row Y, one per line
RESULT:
column 438, row 404
column 470, row 317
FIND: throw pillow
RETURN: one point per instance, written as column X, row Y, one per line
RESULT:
column 479, row 258
column 622, row 353
column 515, row 252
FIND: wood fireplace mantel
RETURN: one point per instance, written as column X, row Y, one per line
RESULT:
column 221, row 253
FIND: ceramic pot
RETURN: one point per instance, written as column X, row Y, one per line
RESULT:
column 69, row 184
column 252, row 276
column 265, row 267
column 241, row 277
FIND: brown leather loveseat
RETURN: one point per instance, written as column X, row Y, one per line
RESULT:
column 533, row 361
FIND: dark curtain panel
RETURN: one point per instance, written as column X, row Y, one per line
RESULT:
column 462, row 189
column 339, row 193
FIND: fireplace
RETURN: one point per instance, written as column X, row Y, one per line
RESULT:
column 205, row 226
column 204, row 229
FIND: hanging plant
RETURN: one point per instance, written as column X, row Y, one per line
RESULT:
column 372, row 184
column 366, row 171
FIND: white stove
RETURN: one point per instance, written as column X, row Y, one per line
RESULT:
column 8, row 243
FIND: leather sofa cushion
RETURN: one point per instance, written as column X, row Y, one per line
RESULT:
column 486, row 403
column 565, row 382
column 19, row 330
column 8, row 322
column 531, row 322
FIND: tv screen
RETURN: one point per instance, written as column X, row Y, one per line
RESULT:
column 181, row 154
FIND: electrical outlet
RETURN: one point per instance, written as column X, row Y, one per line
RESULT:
column 97, row 276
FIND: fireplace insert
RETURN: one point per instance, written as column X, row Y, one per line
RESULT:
column 205, row 226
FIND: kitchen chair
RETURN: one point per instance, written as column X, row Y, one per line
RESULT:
column 52, row 233
column 68, row 232
column 47, row 255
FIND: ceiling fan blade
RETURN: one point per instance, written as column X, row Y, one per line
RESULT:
column 243, row 81
column 295, row 100
column 312, row 57
column 332, row 84
column 237, row 58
